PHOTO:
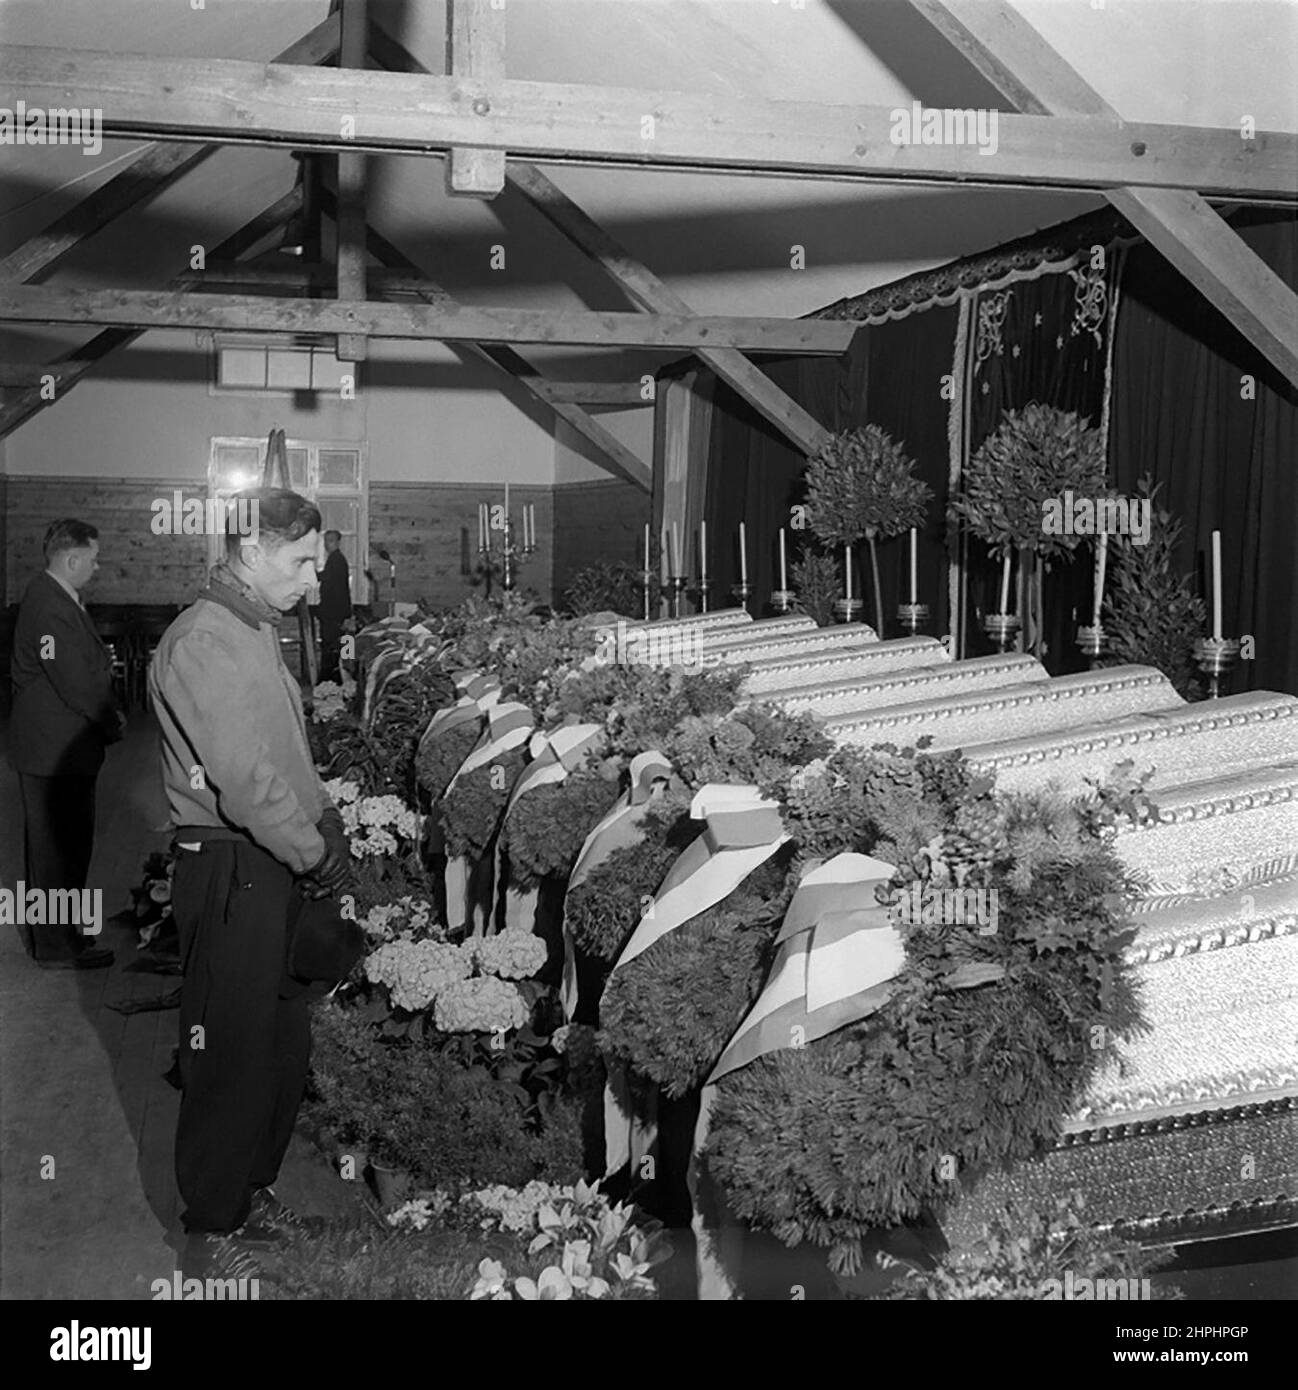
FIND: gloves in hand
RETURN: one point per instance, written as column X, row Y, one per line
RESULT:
column 332, row 874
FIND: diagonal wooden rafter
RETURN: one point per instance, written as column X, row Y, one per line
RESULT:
column 158, row 166
column 636, row 280
column 1015, row 57
column 72, row 366
column 616, row 457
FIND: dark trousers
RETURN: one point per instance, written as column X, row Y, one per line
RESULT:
column 244, row 1048
column 58, row 837
column 331, row 640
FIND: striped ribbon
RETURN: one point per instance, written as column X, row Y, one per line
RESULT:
column 620, row 828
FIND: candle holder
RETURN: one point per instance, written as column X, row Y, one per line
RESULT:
column 510, row 555
column 1094, row 642
column 677, row 585
column 782, row 600
column 849, row 610
column 1215, row 657
column 742, row 593
column 702, row 592
column 1002, row 628
column 647, row 578
column 912, row 616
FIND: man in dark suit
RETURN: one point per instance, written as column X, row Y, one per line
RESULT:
column 64, row 714
column 335, row 606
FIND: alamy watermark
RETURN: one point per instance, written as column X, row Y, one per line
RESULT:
column 40, row 907
column 55, row 125
column 628, row 645
column 920, row 905
column 936, row 125
column 1072, row 515
column 178, row 515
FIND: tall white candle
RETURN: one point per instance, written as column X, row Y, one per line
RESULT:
column 703, row 552
column 1005, row 584
column 676, row 549
column 1101, row 557
column 531, row 512
column 505, row 521
column 646, row 549
column 666, row 556
column 1216, row 586
column 784, row 572
column 482, row 525
column 847, row 570
column 914, row 565
column 743, row 554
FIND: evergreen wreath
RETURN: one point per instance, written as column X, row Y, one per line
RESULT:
column 442, row 757
column 985, row 1045
column 546, row 827
column 469, row 814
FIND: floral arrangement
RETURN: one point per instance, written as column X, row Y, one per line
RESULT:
column 986, row 1042
column 469, row 814
column 151, row 899
column 1029, row 1255
column 755, row 745
column 469, row 985
column 408, row 917
column 374, row 824
column 668, row 1014
column 331, row 699
column 440, row 758
column 547, row 826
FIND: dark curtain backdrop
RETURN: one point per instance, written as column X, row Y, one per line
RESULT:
column 1179, row 411
column 1043, row 341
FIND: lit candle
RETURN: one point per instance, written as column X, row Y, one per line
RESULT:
column 784, row 573
column 1005, row 584
column 1216, row 586
column 847, row 570
column 914, row 565
column 743, row 554
column 703, row 552
column 646, row 550
column 676, row 549
column 1101, row 557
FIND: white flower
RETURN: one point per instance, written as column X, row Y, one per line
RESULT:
column 492, row 1282
column 480, row 1006
column 341, row 792
column 514, row 954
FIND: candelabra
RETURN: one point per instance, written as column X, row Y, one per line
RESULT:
column 510, row 553
column 1002, row 628
column 782, row 601
column 1094, row 642
column 1215, row 657
column 913, row 617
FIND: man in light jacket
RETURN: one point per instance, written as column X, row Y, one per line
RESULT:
column 254, row 828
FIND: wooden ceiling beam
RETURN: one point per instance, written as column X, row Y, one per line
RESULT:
column 475, row 48
column 157, row 167
column 1014, row 56
column 461, row 323
column 72, row 366
column 353, row 48
column 588, row 393
column 237, row 102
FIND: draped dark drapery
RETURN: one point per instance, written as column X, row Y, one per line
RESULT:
column 1188, row 400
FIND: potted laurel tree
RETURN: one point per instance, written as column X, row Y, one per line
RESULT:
column 861, row 485
column 1032, row 457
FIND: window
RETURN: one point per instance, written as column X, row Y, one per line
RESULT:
column 331, row 475
column 280, row 368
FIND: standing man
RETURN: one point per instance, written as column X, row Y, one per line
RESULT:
column 64, row 715
column 335, row 606
column 254, row 829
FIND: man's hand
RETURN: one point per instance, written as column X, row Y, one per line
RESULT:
column 333, row 873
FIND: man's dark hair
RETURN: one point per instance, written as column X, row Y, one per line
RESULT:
column 337, row 535
column 68, row 534
column 282, row 517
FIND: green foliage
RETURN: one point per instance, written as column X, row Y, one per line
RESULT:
column 1151, row 616
column 986, row 1042
column 668, row 1014
column 1029, row 1255
column 609, row 587
column 818, row 583
column 757, row 744
column 861, row 484
column 470, row 812
column 1032, row 457
column 546, row 827
column 442, row 757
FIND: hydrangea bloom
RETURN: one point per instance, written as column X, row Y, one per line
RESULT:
column 514, row 954
column 416, row 972
column 480, row 1006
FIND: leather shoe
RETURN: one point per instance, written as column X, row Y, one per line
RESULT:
column 96, row 958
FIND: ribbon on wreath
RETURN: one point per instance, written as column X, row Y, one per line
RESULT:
column 620, row 828
column 837, row 954
column 554, row 756
column 742, row 831
column 477, row 694
column 509, row 726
